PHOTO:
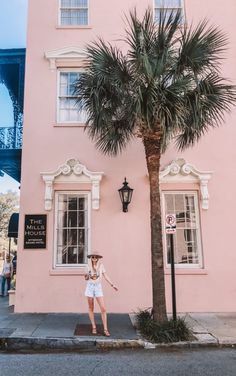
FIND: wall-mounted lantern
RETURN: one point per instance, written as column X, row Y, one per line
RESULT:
column 125, row 195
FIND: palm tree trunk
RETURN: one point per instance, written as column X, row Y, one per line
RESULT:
column 153, row 155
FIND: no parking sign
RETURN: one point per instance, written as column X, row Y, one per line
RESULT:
column 170, row 223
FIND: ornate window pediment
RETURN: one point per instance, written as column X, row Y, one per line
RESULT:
column 178, row 171
column 71, row 54
column 72, row 172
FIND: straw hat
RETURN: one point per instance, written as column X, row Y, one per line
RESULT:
column 94, row 254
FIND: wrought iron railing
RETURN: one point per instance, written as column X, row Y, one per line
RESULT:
column 11, row 137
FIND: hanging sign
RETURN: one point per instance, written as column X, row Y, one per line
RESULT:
column 35, row 231
column 170, row 224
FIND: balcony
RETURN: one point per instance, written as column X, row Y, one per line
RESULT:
column 12, row 73
column 11, row 137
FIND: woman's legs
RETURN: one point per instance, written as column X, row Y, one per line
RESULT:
column 91, row 311
column 8, row 284
column 101, row 304
column 3, row 285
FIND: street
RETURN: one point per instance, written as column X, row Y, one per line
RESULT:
column 208, row 362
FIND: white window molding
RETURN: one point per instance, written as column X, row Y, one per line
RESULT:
column 178, row 171
column 72, row 239
column 173, row 6
column 187, row 239
column 71, row 172
column 69, row 110
column 74, row 13
column 61, row 57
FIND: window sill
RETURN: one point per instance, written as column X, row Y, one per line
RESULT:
column 60, row 125
column 86, row 27
column 61, row 272
column 187, row 271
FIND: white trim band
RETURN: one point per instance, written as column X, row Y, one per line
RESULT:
column 72, row 172
column 178, row 171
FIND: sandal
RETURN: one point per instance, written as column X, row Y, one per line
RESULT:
column 94, row 330
column 106, row 333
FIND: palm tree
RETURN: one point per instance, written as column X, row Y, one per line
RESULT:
column 167, row 87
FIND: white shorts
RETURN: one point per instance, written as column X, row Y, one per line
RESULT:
column 93, row 290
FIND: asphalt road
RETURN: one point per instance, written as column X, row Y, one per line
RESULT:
column 207, row 362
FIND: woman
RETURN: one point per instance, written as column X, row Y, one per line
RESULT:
column 6, row 274
column 95, row 271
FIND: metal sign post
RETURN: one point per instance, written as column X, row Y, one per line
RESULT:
column 171, row 230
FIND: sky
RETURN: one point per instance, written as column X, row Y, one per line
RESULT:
column 13, row 23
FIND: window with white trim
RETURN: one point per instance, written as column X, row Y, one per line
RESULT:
column 68, row 103
column 72, row 228
column 74, row 12
column 169, row 6
column 187, row 240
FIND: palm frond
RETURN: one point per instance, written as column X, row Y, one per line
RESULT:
column 201, row 48
column 206, row 107
column 150, row 43
column 168, row 82
column 104, row 88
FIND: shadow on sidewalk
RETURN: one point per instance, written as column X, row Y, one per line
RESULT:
column 60, row 325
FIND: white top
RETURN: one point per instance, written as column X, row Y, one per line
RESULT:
column 95, row 276
column 7, row 268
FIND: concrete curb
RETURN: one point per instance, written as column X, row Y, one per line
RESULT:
column 44, row 344
column 29, row 344
column 18, row 344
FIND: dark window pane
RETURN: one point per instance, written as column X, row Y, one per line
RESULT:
column 81, row 258
column 72, row 203
column 81, row 203
column 72, row 255
column 65, row 256
column 81, row 219
column 72, row 237
column 72, row 219
column 81, row 240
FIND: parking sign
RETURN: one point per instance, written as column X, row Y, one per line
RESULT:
column 170, row 224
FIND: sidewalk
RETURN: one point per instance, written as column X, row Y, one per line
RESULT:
column 71, row 332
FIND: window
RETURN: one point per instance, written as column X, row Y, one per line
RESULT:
column 72, row 228
column 187, row 241
column 68, row 105
column 169, row 5
column 74, row 12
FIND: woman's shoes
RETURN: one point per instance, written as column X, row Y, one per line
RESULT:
column 106, row 333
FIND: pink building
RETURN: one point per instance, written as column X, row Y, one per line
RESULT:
column 73, row 187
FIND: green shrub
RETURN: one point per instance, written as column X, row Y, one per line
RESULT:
column 164, row 332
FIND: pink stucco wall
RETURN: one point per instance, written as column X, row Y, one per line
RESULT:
column 124, row 239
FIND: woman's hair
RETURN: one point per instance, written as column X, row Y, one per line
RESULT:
column 90, row 265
